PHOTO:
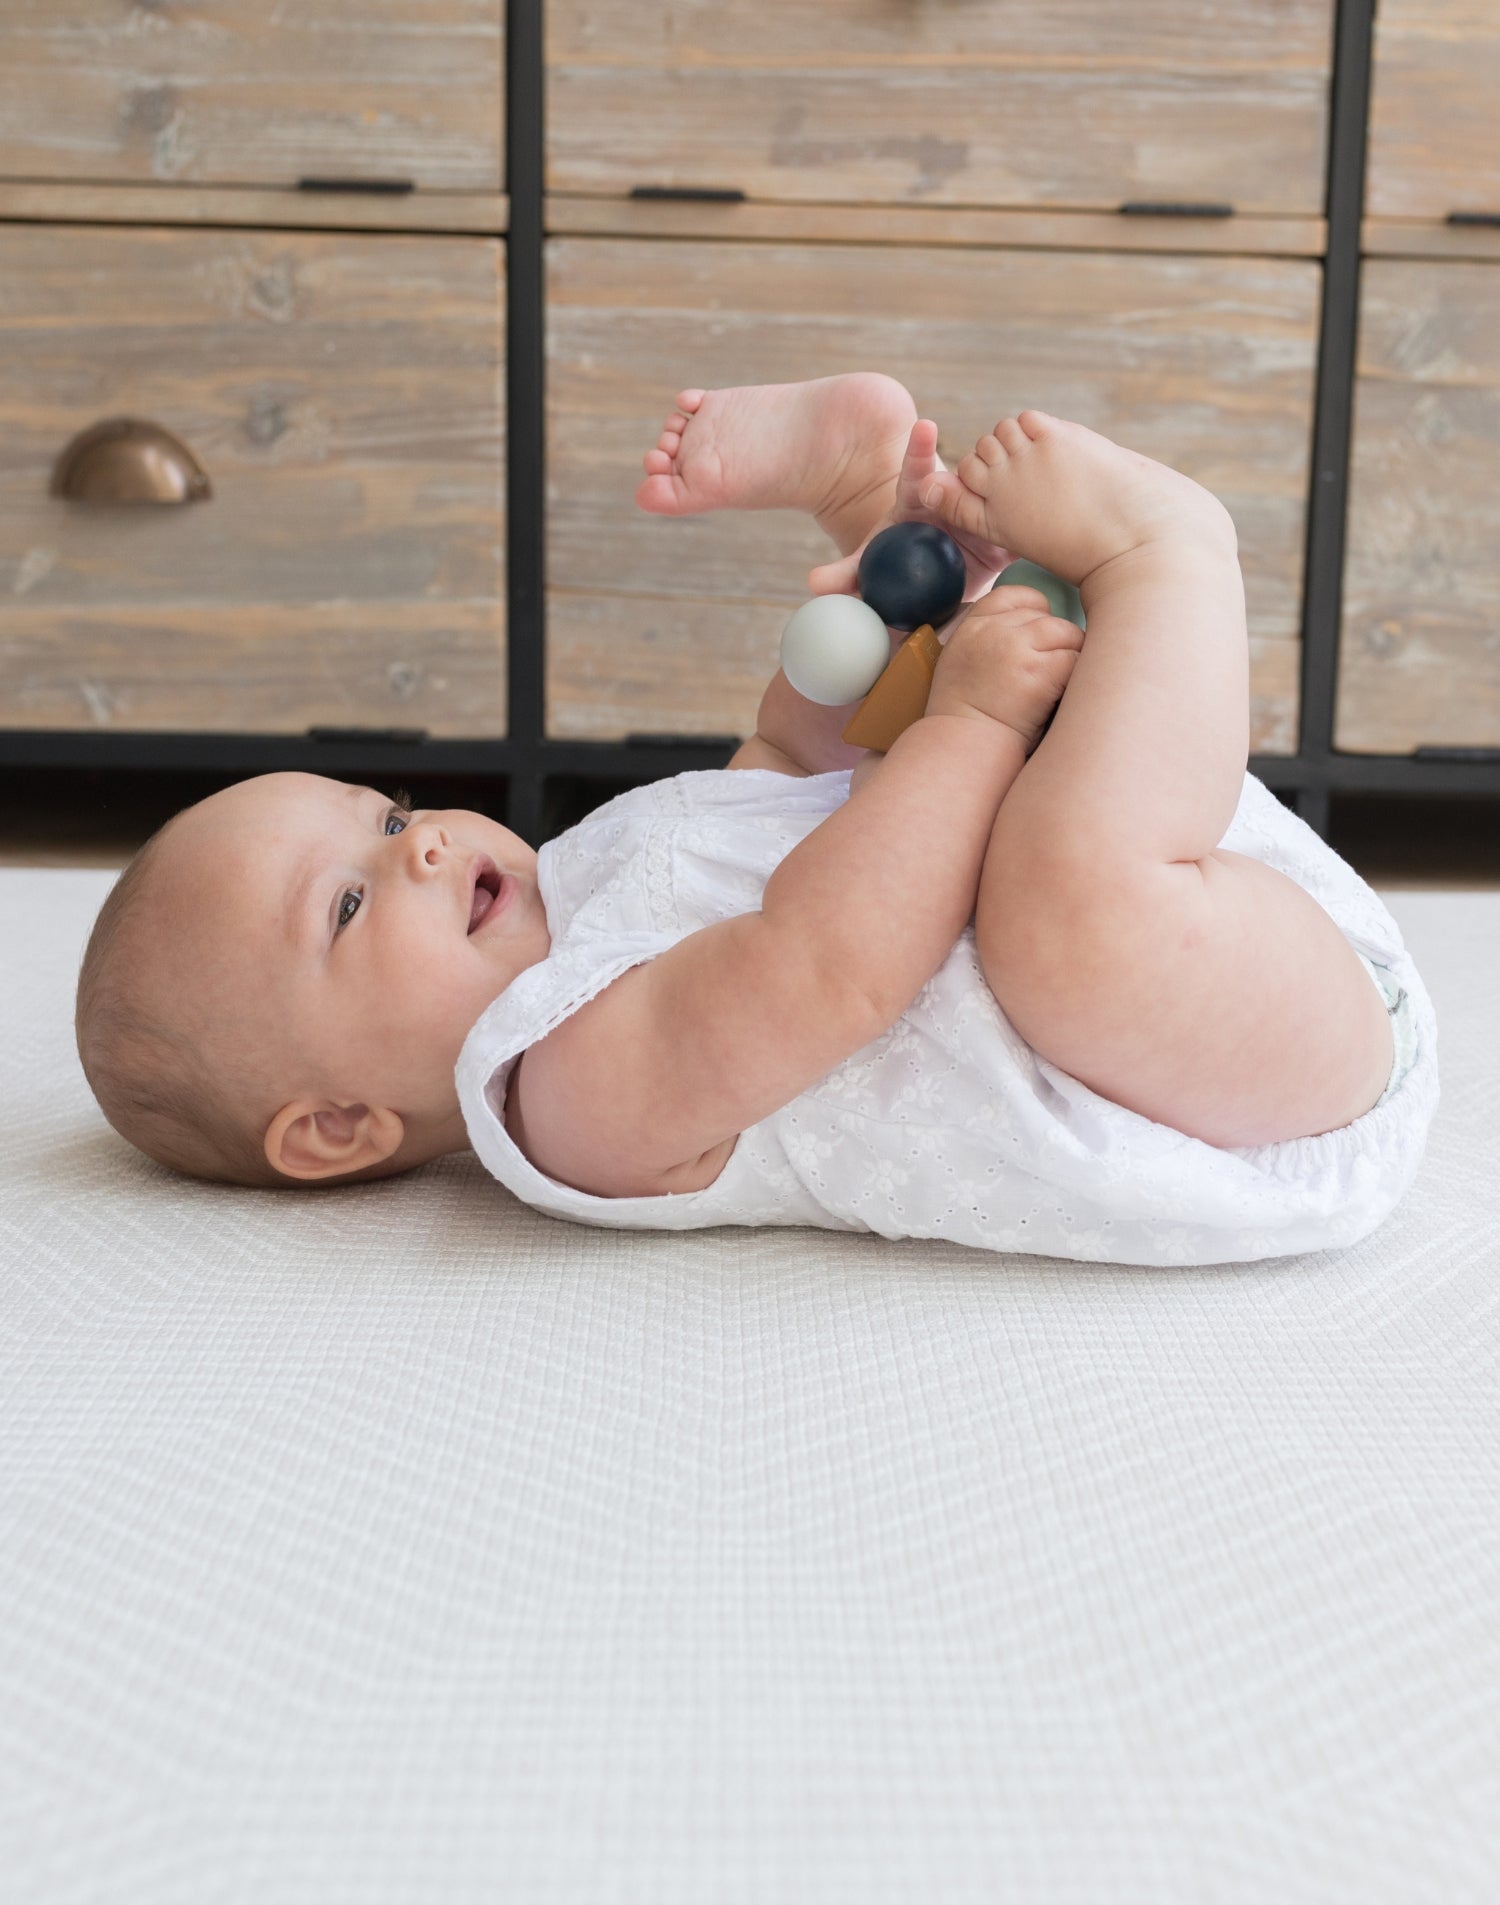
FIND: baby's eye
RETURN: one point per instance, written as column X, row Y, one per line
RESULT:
column 401, row 812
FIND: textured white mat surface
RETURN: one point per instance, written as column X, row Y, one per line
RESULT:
column 401, row 1544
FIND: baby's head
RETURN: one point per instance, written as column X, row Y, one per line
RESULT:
column 278, row 985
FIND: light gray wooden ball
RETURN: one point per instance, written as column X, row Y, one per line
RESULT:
column 834, row 650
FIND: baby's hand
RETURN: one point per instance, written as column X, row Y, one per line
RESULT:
column 1006, row 657
column 983, row 559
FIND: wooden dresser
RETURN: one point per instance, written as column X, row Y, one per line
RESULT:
column 342, row 390
column 373, row 267
column 1419, row 653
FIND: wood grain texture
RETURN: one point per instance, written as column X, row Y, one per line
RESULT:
column 1421, row 238
column 240, row 92
column 1434, row 127
column 929, row 225
column 1419, row 656
column 276, row 207
column 345, row 394
column 1061, row 102
column 675, row 624
column 254, row 668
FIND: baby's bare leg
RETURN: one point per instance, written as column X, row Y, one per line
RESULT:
column 848, row 450
column 831, row 446
column 1196, row 986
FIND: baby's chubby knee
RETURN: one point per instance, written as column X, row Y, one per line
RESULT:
column 1053, row 910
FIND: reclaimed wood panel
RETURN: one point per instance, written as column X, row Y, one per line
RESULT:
column 1421, row 238
column 1061, row 102
column 249, row 669
column 1419, row 652
column 674, row 625
column 235, row 92
column 927, row 225
column 346, row 396
column 1434, row 129
column 271, row 206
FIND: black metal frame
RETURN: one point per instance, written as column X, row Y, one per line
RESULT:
column 526, row 763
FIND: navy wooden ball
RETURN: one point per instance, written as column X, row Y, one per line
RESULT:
column 912, row 573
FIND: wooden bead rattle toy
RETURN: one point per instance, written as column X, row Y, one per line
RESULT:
column 836, row 648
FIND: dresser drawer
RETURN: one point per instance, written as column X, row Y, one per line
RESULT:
column 236, row 92
column 344, row 396
column 1058, row 103
column 1419, row 656
column 1434, row 128
column 674, row 624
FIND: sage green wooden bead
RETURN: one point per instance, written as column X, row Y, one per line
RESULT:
column 1062, row 598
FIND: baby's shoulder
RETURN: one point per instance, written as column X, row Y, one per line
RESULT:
column 576, row 1106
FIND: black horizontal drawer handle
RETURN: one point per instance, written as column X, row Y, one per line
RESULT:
column 389, row 187
column 1474, row 218
column 366, row 734
column 1173, row 208
column 707, row 194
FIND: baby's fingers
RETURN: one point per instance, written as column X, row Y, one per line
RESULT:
column 1055, row 631
column 1028, row 610
column 836, row 578
column 1014, row 596
column 954, row 503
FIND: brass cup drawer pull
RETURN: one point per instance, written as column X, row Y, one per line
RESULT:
column 126, row 460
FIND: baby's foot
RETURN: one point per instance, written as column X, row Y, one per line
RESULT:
column 1062, row 495
column 831, row 446
column 983, row 559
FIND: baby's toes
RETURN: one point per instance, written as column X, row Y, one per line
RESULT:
column 657, row 463
column 661, row 494
column 1010, row 437
column 688, row 402
column 1036, row 423
column 974, row 471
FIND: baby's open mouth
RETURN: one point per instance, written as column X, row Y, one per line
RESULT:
column 487, row 879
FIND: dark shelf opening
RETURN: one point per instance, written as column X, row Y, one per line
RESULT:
column 1437, row 839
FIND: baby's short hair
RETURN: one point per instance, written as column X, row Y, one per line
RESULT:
column 157, row 1081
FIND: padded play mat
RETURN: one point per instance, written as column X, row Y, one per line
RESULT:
column 401, row 1544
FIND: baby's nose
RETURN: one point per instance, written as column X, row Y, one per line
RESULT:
column 431, row 841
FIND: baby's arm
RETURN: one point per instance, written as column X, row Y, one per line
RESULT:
column 737, row 1019
column 1004, row 665
column 630, row 1095
column 807, row 733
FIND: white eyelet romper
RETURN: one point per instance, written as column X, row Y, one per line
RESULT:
column 948, row 1125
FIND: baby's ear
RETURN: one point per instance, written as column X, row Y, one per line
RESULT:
column 314, row 1137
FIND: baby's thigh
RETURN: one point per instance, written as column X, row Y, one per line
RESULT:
column 1215, row 996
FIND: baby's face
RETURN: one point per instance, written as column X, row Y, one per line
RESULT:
column 340, row 933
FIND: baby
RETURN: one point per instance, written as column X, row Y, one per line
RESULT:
column 1084, row 988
